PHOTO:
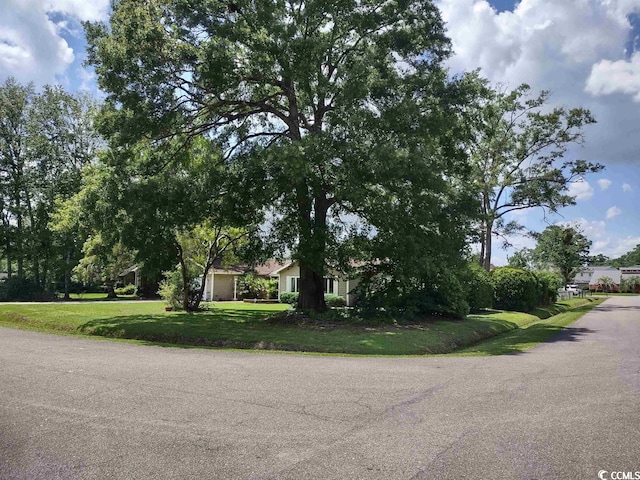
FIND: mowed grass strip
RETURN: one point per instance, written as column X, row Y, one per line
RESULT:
column 243, row 325
column 528, row 336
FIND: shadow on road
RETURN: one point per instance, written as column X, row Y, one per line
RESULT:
column 518, row 341
column 607, row 307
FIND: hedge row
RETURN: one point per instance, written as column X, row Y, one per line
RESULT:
column 331, row 300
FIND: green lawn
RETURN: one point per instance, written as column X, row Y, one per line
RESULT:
column 242, row 325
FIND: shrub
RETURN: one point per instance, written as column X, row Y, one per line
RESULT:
column 272, row 288
column 289, row 297
column 16, row 289
column 478, row 287
column 126, row 290
column 514, row 289
column 171, row 289
column 335, row 301
column 250, row 286
column 548, row 285
column 438, row 294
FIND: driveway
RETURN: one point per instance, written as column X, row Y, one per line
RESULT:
column 74, row 408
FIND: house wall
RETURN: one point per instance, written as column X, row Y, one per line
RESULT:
column 222, row 287
column 294, row 271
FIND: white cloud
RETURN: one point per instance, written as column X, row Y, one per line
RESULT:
column 555, row 45
column 604, row 183
column 613, row 212
column 33, row 45
column 621, row 76
column 624, row 245
column 581, row 190
column 594, row 230
column 82, row 9
column 626, row 187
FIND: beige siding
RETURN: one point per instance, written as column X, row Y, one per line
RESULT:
column 290, row 271
column 294, row 271
column 223, row 289
column 223, row 285
column 351, row 299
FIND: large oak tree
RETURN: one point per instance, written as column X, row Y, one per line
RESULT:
column 336, row 107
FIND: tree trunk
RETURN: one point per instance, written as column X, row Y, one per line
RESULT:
column 313, row 249
column 67, row 275
column 9, row 259
column 111, row 292
column 487, row 246
column 19, row 248
column 186, row 290
column 311, row 295
column 482, row 252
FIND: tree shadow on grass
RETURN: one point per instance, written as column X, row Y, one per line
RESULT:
column 219, row 328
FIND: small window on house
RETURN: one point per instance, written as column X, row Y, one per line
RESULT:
column 294, row 284
column 329, row 284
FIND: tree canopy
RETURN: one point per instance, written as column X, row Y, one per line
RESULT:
column 335, row 110
column 564, row 248
column 45, row 140
column 518, row 157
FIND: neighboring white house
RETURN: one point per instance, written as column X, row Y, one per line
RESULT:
column 289, row 281
column 590, row 275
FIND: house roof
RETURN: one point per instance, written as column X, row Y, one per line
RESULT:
column 614, row 274
column 219, row 269
column 272, row 267
column 127, row 271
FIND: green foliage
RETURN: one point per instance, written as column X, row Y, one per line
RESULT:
column 631, row 284
column 126, row 290
column 251, row 286
column 17, row 289
column 172, row 290
column 331, row 300
column 440, row 295
column 478, row 287
column 302, row 104
column 548, row 284
column 334, row 300
column 46, row 138
column 516, row 144
column 629, row 259
column 515, row 289
column 102, row 262
column 521, row 259
column 289, row 297
column 564, row 248
column 605, row 283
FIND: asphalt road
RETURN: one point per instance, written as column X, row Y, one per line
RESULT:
column 82, row 409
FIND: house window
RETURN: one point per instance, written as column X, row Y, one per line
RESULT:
column 330, row 286
column 294, row 284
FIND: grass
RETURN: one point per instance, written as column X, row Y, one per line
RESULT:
column 244, row 325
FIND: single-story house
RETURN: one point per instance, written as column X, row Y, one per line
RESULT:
column 289, row 281
column 222, row 282
column 130, row 276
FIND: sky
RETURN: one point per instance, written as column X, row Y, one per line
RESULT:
column 585, row 52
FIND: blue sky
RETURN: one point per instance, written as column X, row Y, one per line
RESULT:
column 586, row 52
